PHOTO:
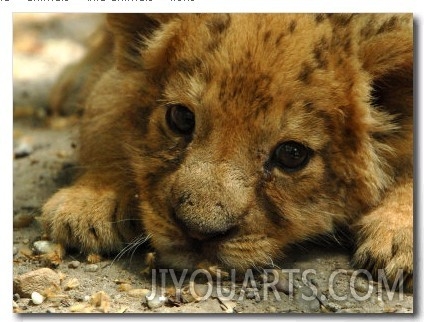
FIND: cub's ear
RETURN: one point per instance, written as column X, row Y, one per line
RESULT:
column 387, row 55
column 386, row 52
column 131, row 32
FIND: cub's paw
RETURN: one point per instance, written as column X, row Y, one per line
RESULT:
column 83, row 218
column 386, row 251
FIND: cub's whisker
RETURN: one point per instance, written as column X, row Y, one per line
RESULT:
column 131, row 246
column 138, row 244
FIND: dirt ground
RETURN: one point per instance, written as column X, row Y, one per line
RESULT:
column 318, row 279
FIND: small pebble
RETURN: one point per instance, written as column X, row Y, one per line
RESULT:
column 252, row 294
column 16, row 297
column 307, row 300
column 91, row 268
column 139, row 292
column 74, row 264
column 15, row 250
column 37, row 298
column 305, row 291
column 79, row 298
column 43, row 246
column 333, row 307
column 23, row 149
column 155, row 302
column 284, row 285
column 71, row 284
column 201, row 290
column 15, row 305
column 361, row 286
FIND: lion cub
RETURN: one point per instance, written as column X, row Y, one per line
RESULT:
column 227, row 137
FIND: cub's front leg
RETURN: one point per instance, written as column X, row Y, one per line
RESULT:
column 87, row 216
column 385, row 237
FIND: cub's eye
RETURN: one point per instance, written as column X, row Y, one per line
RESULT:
column 291, row 156
column 180, row 119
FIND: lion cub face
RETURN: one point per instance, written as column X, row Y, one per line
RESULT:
column 246, row 132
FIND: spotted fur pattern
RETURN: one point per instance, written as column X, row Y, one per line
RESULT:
column 340, row 85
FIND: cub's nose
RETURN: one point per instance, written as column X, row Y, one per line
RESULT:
column 205, row 223
column 203, row 236
column 209, row 197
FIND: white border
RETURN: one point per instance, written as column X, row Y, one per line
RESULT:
column 209, row 6
column 6, row 184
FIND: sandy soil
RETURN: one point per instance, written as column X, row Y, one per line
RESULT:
column 322, row 279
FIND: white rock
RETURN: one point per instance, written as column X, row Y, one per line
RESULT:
column 155, row 302
column 74, row 264
column 43, row 246
column 91, row 268
column 37, row 298
column 23, row 149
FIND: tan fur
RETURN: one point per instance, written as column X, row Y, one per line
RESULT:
column 340, row 85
